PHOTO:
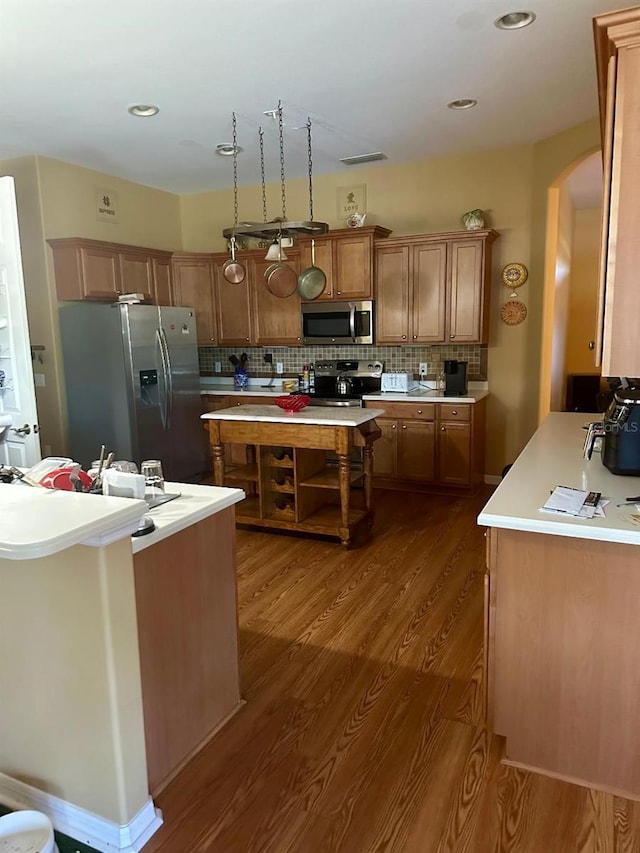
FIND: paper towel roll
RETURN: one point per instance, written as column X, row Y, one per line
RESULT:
column 5, row 422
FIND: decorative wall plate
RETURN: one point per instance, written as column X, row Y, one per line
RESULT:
column 514, row 275
column 513, row 312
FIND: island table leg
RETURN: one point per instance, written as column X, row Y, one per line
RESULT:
column 344, row 478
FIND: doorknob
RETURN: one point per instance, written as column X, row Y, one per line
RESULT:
column 23, row 430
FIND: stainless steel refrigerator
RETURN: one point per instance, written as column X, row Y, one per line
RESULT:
column 133, row 384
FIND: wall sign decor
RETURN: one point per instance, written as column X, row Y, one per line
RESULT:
column 106, row 205
column 351, row 200
column 513, row 312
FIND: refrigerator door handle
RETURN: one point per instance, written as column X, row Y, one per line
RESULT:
column 164, row 396
column 166, row 366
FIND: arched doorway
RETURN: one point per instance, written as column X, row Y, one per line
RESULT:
column 574, row 214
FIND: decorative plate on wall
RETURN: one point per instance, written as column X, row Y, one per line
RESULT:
column 514, row 275
column 513, row 312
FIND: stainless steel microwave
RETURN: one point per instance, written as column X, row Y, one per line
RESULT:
column 337, row 322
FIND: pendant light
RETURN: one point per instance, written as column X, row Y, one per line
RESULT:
column 274, row 252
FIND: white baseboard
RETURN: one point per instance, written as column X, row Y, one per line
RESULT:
column 80, row 824
column 492, row 479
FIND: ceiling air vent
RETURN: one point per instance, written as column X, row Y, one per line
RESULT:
column 363, row 158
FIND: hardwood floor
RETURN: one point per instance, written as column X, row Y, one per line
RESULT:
column 362, row 733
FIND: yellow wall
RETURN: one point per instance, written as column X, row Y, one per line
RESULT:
column 413, row 198
column 583, row 300
column 562, row 278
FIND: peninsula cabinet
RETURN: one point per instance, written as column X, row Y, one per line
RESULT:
column 434, row 288
column 193, row 282
column 430, row 445
column 617, row 42
column 346, row 256
column 96, row 270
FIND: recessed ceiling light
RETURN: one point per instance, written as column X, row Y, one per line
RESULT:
column 226, row 149
column 144, row 110
column 514, row 20
column 462, row 104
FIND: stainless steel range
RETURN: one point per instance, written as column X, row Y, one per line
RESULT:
column 343, row 383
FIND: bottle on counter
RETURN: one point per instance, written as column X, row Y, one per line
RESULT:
column 305, row 378
column 312, row 379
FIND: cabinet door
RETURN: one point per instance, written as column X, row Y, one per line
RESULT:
column 352, row 267
column 162, row 293
column 428, row 288
column 454, row 453
column 385, row 449
column 136, row 274
column 276, row 321
column 324, row 260
column 193, row 282
column 466, row 291
column 392, row 294
column 232, row 310
column 100, row 277
column 416, row 451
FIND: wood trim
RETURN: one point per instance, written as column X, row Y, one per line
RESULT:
column 611, row 31
column 488, row 235
column 86, row 243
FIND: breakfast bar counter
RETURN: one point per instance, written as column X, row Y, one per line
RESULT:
column 121, row 656
column 289, row 483
column 562, row 617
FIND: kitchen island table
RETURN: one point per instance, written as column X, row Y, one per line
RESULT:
column 290, row 482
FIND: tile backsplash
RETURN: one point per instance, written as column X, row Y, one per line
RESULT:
column 394, row 358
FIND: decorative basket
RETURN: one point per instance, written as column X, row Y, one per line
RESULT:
column 293, row 402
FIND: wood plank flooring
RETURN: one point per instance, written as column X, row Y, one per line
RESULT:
column 362, row 733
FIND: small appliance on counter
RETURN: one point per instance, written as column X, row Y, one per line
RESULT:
column 455, row 378
column 402, row 382
column 621, row 442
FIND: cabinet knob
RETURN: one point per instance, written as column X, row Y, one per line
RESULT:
column 393, row 426
column 404, row 337
column 247, row 339
column 212, row 339
column 415, row 337
column 404, row 426
column 452, row 336
column 339, row 292
column 454, row 411
column 297, row 339
column 419, row 411
column 442, row 429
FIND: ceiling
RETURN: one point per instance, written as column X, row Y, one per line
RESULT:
column 373, row 75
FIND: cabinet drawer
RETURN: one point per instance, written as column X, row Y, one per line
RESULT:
column 404, row 411
column 447, row 412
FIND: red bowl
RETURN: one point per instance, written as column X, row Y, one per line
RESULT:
column 293, row 402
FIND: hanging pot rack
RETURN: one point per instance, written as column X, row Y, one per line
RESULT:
column 281, row 226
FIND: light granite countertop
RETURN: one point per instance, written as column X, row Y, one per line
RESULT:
column 554, row 457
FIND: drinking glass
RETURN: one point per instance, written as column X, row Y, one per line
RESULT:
column 153, row 478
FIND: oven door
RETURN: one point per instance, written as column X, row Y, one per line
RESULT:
column 337, row 323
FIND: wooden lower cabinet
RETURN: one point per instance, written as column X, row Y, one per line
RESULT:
column 427, row 445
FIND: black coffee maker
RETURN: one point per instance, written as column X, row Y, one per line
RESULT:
column 455, row 378
column 621, row 442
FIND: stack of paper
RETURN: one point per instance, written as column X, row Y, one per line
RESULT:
column 580, row 504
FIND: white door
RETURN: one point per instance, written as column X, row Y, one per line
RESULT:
column 19, row 440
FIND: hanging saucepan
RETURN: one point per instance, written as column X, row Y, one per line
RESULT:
column 232, row 269
column 312, row 281
column 280, row 278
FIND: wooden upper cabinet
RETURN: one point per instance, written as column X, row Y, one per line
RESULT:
column 194, row 288
column 233, row 309
column 617, row 39
column 428, row 292
column 162, row 289
column 346, row 256
column 324, row 261
column 466, row 291
column 92, row 269
column 136, row 270
column 276, row 321
column 392, row 294
column 434, row 288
